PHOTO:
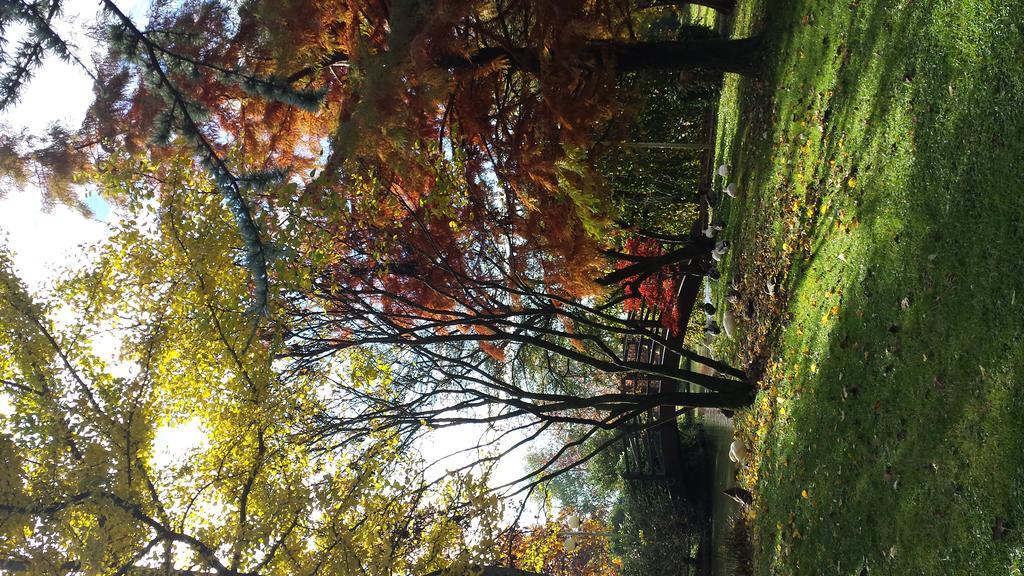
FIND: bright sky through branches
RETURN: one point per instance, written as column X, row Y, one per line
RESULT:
column 47, row 240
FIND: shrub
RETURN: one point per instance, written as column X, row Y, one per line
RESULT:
column 651, row 538
column 739, row 549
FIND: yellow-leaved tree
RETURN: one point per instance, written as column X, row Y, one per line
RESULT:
column 153, row 343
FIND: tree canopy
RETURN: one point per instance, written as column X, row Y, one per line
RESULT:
column 342, row 225
column 85, row 488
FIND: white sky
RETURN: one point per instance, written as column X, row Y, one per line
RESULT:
column 58, row 92
column 43, row 243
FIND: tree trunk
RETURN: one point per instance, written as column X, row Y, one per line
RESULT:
column 739, row 399
column 724, row 6
column 698, row 246
column 661, row 145
column 67, row 567
column 712, row 54
column 73, row 567
column 659, row 236
column 477, row 570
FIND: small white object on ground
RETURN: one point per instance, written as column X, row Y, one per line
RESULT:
column 771, row 288
column 719, row 250
column 723, row 170
column 569, row 544
column 728, row 323
column 730, row 190
column 738, row 452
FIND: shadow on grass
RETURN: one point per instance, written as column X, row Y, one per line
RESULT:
column 900, row 445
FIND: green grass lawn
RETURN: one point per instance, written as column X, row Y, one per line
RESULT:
column 880, row 160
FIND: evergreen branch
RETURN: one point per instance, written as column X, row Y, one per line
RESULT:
column 55, row 42
column 227, row 182
column 30, row 55
column 270, row 88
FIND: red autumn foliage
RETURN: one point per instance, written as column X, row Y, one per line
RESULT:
column 500, row 98
column 657, row 291
column 451, row 146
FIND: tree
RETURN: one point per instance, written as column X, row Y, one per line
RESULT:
column 471, row 332
column 724, row 6
column 543, row 548
column 412, row 164
column 440, row 286
column 443, row 250
column 515, row 89
column 589, row 490
column 83, row 488
column 652, row 538
column 507, row 99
